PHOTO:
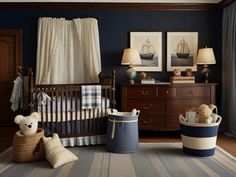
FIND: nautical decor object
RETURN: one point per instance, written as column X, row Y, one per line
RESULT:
column 147, row 51
column 182, row 50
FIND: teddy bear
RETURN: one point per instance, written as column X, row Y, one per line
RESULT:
column 28, row 124
column 144, row 76
column 188, row 72
column 204, row 112
column 177, row 72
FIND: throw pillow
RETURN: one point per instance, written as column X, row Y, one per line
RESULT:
column 56, row 154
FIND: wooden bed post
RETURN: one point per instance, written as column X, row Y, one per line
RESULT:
column 22, row 70
column 109, row 80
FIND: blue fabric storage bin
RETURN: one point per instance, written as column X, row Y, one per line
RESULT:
column 122, row 133
column 199, row 139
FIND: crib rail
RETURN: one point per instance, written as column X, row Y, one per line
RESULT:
column 62, row 112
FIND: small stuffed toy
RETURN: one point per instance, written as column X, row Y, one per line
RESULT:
column 204, row 112
column 144, row 76
column 28, row 124
column 177, row 72
column 188, row 72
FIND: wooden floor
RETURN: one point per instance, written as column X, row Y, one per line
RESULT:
column 224, row 141
column 6, row 137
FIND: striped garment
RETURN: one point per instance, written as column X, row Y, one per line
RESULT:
column 17, row 94
column 91, row 96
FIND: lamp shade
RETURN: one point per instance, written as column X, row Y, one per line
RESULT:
column 131, row 57
column 206, row 56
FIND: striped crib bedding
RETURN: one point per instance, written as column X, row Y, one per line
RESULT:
column 63, row 105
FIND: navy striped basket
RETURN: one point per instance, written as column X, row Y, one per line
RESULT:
column 199, row 139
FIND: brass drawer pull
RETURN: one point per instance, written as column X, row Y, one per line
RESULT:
column 147, row 121
column 144, row 92
column 167, row 92
column 147, row 107
column 194, row 92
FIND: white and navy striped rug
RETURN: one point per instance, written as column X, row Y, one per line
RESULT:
column 151, row 160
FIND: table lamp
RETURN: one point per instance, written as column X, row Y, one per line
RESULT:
column 206, row 57
column 131, row 57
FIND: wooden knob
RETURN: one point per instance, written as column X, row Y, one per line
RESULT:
column 144, row 92
column 146, row 121
column 146, row 107
column 194, row 92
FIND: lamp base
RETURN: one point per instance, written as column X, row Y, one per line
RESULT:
column 131, row 81
column 205, row 73
column 131, row 74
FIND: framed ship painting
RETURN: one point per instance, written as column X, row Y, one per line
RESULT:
column 182, row 50
column 149, row 45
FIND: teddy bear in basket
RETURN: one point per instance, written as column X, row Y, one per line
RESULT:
column 27, row 143
column 205, row 112
column 204, row 115
column 28, row 124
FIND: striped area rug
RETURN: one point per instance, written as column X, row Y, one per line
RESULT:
column 151, row 160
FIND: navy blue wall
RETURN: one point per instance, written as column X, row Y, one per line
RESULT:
column 114, row 28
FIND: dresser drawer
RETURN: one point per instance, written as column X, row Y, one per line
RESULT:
column 149, row 106
column 141, row 92
column 180, row 106
column 166, row 92
column 151, row 121
column 194, row 92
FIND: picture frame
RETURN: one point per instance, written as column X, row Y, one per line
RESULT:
column 182, row 50
column 149, row 45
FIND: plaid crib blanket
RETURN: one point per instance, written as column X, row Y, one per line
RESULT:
column 91, row 96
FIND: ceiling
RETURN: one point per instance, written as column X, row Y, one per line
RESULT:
column 122, row 1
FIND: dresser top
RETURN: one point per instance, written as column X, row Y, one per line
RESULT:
column 169, row 84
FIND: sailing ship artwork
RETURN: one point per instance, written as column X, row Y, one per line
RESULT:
column 148, row 53
column 182, row 50
column 147, row 50
column 149, row 45
column 181, row 55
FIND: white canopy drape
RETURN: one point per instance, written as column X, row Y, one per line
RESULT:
column 68, row 51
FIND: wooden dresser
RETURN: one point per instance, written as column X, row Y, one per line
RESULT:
column 161, row 104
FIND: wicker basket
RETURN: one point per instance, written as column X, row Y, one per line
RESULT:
column 28, row 148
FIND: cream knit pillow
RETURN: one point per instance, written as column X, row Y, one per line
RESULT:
column 56, row 154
